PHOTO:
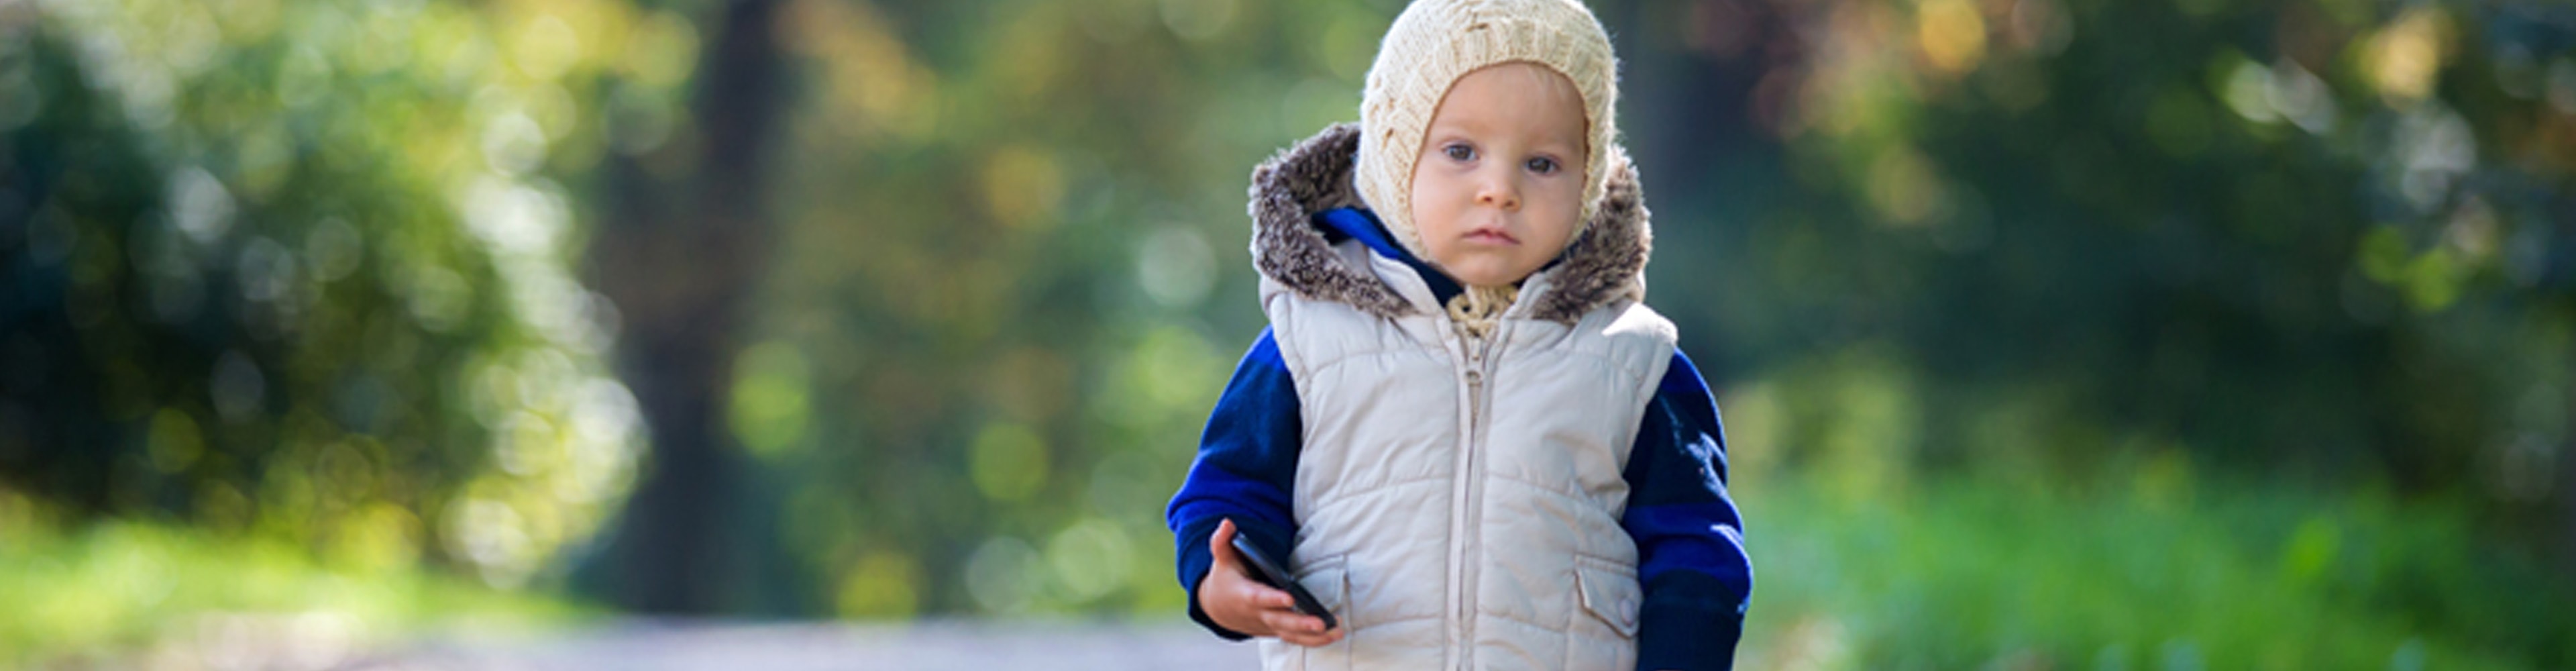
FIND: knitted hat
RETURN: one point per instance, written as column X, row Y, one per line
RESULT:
column 1434, row 43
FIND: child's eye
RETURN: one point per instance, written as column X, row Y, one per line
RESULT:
column 1459, row 152
column 1542, row 165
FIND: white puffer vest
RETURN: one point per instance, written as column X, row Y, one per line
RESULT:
column 1458, row 499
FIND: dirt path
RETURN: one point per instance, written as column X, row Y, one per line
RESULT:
column 667, row 646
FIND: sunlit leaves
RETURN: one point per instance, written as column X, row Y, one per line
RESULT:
column 1008, row 462
column 872, row 84
column 1952, row 34
column 771, row 409
column 1004, row 261
column 2404, row 58
column 882, row 584
column 1022, row 187
column 316, row 253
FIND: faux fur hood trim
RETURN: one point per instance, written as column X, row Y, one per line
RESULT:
column 1605, row 263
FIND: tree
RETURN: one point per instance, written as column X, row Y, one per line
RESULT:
column 686, row 268
column 302, row 269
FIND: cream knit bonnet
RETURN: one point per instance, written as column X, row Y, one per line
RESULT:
column 1435, row 42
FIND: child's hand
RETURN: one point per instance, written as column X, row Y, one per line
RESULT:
column 1236, row 601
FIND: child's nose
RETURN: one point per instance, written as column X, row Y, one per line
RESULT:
column 1499, row 191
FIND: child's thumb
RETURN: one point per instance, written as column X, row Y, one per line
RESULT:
column 1221, row 543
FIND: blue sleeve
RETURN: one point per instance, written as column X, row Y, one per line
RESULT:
column 1690, row 542
column 1246, row 465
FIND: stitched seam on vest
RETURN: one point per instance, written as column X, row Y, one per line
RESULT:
column 1377, row 352
column 1375, row 622
column 1501, row 615
column 1545, row 489
column 1634, row 377
column 1624, row 569
column 1343, row 494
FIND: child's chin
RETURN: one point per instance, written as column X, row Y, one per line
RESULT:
column 1487, row 275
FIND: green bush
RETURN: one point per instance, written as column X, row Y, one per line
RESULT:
column 1966, row 572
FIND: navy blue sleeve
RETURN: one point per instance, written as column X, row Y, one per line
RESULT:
column 1246, row 465
column 1690, row 542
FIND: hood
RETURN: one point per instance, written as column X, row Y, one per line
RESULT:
column 1605, row 263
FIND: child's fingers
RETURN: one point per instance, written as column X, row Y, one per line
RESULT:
column 1267, row 597
column 1285, row 623
column 1262, row 597
column 1221, row 545
column 1312, row 640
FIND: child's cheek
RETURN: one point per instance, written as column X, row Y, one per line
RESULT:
column 1434, row 200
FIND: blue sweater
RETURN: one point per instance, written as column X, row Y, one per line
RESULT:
column 1690, row 542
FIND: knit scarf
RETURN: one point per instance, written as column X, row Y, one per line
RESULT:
column 1479, row 309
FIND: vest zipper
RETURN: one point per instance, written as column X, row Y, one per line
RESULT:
column 1471, row 506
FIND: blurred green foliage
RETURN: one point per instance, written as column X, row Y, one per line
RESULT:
column 1967, row 574
column 301, row 271
column 2323, row 239
column 1010, row 285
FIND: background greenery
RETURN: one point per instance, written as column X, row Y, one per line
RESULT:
column 2048, row 333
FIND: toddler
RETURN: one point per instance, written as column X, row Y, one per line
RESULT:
column 1463, row 430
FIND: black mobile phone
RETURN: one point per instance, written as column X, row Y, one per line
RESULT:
column 1275, row 574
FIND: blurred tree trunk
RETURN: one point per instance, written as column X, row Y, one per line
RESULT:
column 1693, row 98
column 1694, row 73
column 681, row 254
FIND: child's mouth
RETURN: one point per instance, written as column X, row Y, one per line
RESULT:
column 1492, row 236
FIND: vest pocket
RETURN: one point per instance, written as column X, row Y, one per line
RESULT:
column 1604, row 634
column 1328, row 579
column 1610, row 594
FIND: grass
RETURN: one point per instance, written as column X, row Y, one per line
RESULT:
column 1963, row 573
column 121, row 594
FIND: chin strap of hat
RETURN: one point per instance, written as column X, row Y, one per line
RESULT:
column 1478, row 309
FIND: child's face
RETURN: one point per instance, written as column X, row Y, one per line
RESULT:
column 1499, row 183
